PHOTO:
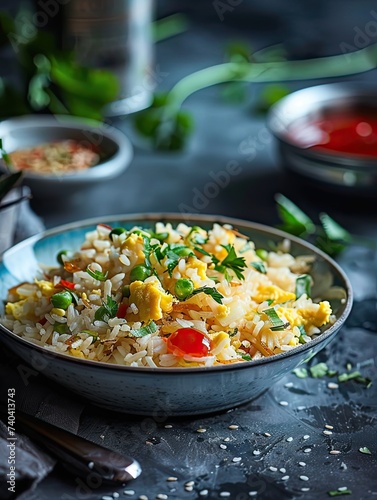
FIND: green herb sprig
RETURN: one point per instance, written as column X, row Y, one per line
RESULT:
column 230, row 263
column 329, row 236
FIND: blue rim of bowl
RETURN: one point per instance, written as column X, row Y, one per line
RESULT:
column 179, row 217
column 124, row 152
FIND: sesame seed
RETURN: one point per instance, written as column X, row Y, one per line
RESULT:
column 162, row 496
column 283, row 470
column 327, row 433
column 288, row 384
column 203, row 493
column 91, row 465
column 290, row 439
column 223, row 446
column 168, row 426
column 225, row 494
column 285, row 478
column 226, row 440
column 253, row 493
column 232, row 427
column 190, row 483
column 273, row 469
column 343, row 488
column 335, row 452
column 307, row 450
column 329, row 426
column 301, row 408
column 128, row 492
column 256, row 452
column 305, row 489
column 171, row 478
column 237, row 459
column 302, row 464
column 304, row 478
column 201, row 430
column 333, row 385
column 283, row 403
column 306, row 436
column 267, row 434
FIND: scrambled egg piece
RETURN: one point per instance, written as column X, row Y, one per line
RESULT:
column 201, row 267
column 46, row 287
column 16, row 309
column 135, row 244
column 311, row 316
column 222, row 311
column 273, row 292
column 150, row 299
column 76, row 353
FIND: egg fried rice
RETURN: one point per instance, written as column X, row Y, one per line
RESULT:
column 170, row 297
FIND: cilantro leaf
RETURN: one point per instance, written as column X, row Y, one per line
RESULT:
column 231, row 262
column 212, row 291
column 295, row 221
column 107, row 310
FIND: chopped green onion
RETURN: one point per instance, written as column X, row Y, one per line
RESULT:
column 92, row 334
column 97, row 275
column 145, row 330
column 126, row 291
column 303, row 285
column 277, row 323
column 301, row 372
column 319, row 370
column 344, row 377
column 247, row 246
column 246, row 357
column 233, row 332
column 365, row 450
column 259, row 266
column 336, row 493
column 160, row 236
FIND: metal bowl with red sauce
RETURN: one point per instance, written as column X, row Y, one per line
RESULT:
column 327, row 136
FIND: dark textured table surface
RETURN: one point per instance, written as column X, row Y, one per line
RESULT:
column 266, row 453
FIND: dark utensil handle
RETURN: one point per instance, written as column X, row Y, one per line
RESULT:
column 78, row 454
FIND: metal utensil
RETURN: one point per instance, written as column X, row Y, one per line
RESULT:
column 80, row 456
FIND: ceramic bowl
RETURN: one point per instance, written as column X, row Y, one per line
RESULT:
column 339, row 172
column 28, row 131
column 164, row 391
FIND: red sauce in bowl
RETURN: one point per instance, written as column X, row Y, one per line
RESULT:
column 349, row 132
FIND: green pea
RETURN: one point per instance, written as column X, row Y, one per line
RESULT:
column 59, row 257
column 61, row 300
column 183, row 288
column 61, row 328
column 262, row 254
column 126, row 291
column 140, row 273
column 117, row 231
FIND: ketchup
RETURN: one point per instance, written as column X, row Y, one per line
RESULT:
column 352, row 131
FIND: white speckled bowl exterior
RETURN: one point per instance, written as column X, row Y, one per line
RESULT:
column 161, row 391
column 29, row 131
